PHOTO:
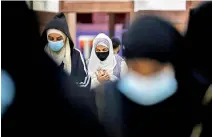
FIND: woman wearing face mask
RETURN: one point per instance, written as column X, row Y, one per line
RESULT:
column 153, row 99
column 60, row 47
column 103, row 65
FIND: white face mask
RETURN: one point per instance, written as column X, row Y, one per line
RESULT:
column 149, row 90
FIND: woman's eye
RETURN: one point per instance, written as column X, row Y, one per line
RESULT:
column 59, row 38
column 51, row 39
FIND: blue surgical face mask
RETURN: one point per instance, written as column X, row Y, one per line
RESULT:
column 148, row 90
column 55, row 45
column 7, row 91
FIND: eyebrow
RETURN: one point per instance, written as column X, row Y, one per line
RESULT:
column 59, row 37
column 54, row 37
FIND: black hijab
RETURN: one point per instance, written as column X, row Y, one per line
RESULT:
column 154, row 38
column 58, row 22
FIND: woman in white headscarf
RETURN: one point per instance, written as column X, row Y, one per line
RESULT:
column 103, row 65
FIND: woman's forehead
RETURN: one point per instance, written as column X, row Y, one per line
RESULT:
column 101, row 47
column 55, row 35
column 146, row 62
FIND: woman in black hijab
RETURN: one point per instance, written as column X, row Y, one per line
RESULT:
column 154, row 98
column 58, row 44
column 198, row 53
column 45, row 101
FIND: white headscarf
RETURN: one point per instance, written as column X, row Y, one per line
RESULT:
column 95, row 63
column 64, row 55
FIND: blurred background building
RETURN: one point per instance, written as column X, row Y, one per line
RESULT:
column 87, row 18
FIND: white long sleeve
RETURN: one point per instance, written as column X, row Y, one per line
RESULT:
column 95, row 82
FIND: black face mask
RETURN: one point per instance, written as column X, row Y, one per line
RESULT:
column 102, row 55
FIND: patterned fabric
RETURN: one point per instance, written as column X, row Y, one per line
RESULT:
column 117, row 69
column 101, row 40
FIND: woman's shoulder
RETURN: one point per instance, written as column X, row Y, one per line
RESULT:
column 76, row 51
column 119, row 58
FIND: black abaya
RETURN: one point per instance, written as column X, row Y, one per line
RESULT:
column 47, row 103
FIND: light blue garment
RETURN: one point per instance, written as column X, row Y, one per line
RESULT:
column 55, row 45
column 7, row 91
column 148, row 90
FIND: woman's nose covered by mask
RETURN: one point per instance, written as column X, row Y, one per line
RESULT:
column 148, row 90
column 56, row 45
column 102, row 55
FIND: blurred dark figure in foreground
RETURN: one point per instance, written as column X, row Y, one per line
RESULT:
column 198, row 52
column 58, row 44
column 198, row 38
column 43, row 100
column 154, row 98
column 116, row 45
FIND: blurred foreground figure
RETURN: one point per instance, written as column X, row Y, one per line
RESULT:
column 59, row 46
column 198, row 52
column 154, row 98
column 103, row 65
column 198, row 39
column 40, row 99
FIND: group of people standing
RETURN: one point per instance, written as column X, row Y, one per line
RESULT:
column 157, row 91
column 104, row 64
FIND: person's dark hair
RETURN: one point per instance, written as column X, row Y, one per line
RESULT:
column 116, row 42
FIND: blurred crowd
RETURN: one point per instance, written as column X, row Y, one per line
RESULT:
column 161, row 86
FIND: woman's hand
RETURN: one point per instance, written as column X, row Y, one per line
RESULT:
column 106, row 75
column 102, row 76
